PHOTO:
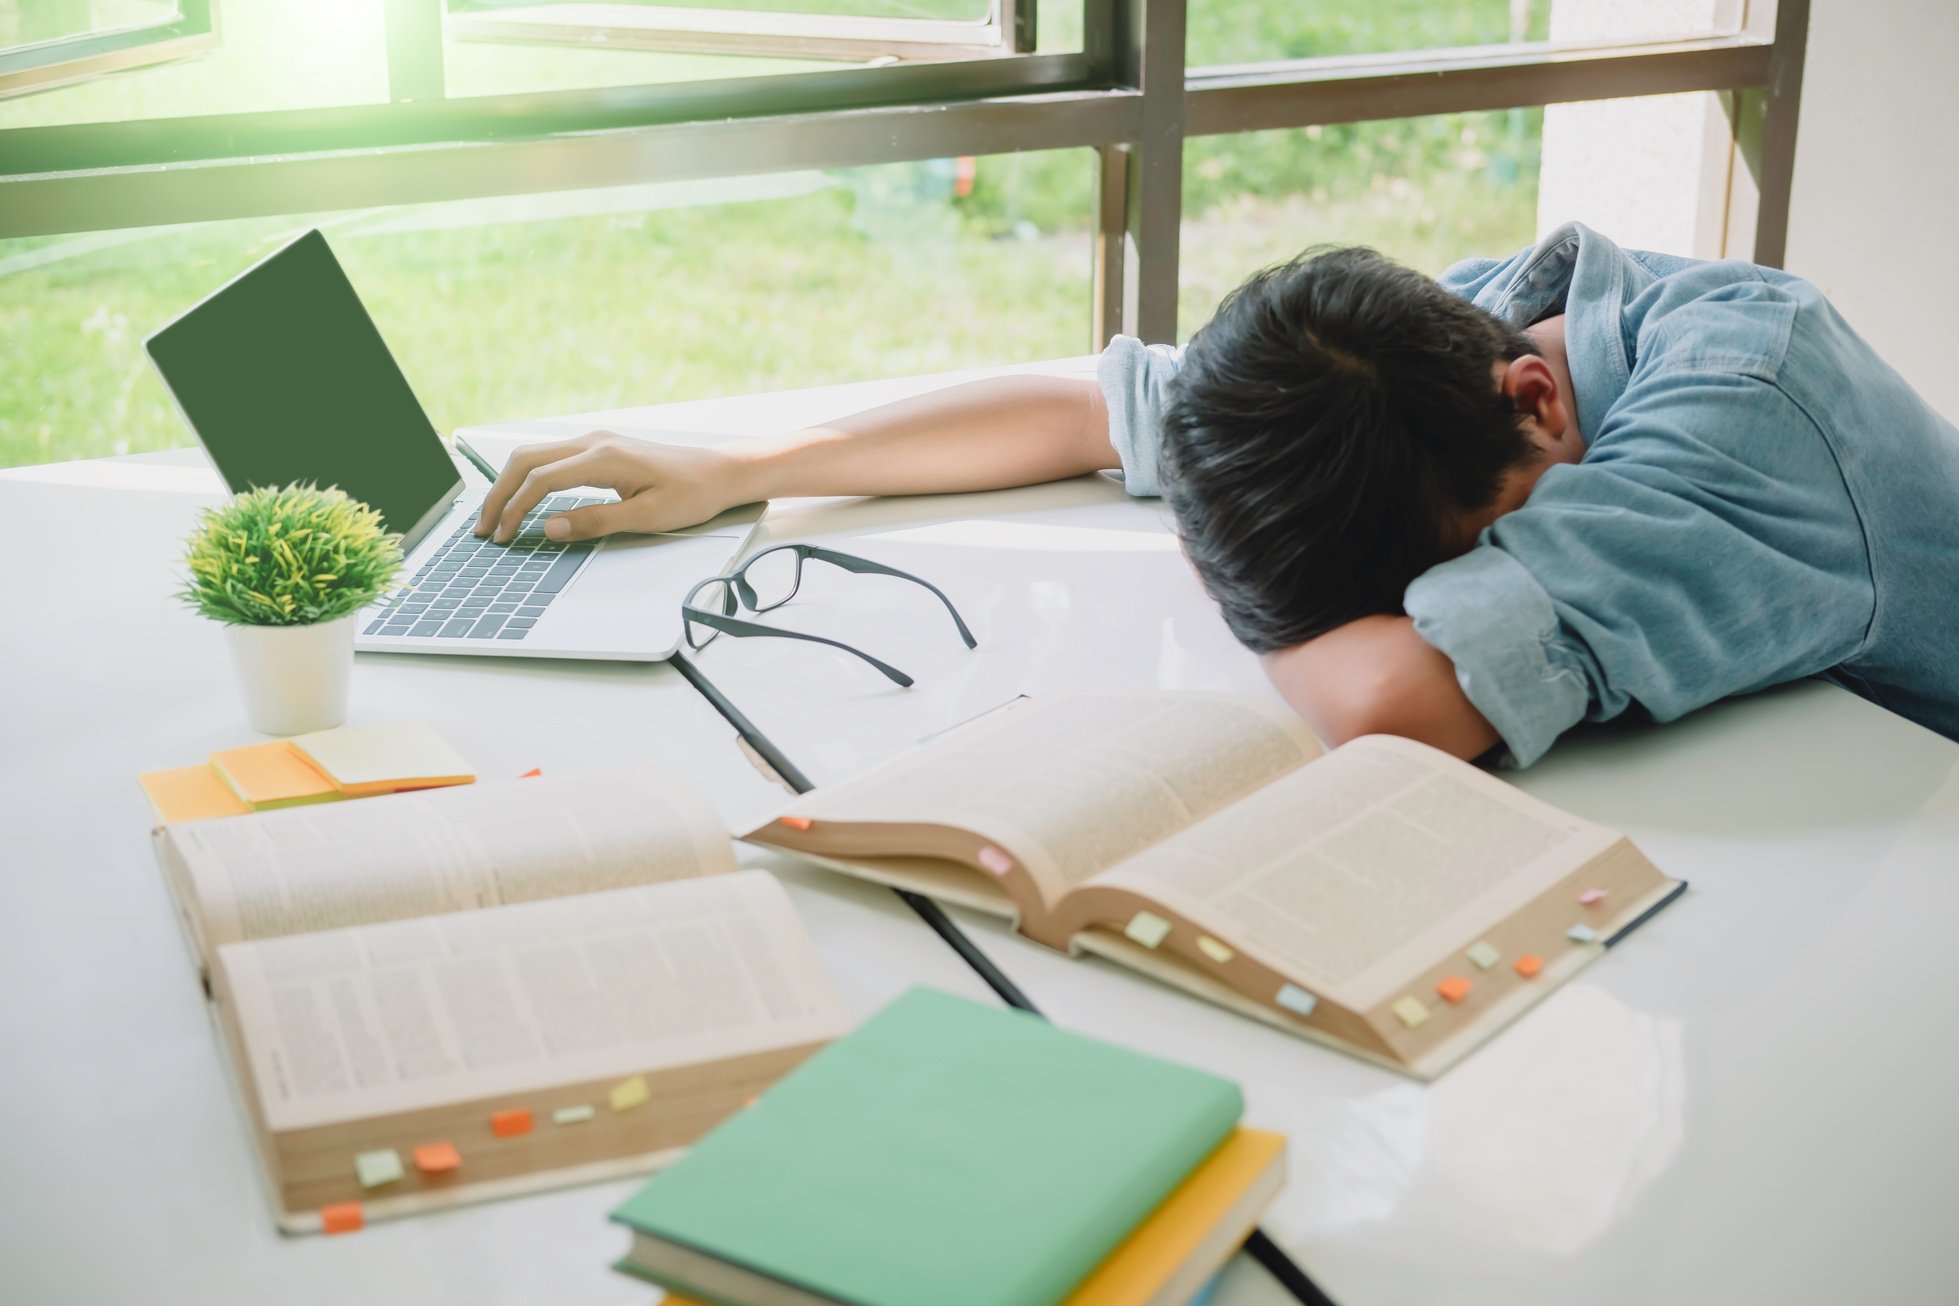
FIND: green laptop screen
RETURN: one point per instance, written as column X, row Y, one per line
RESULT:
column 284, row 378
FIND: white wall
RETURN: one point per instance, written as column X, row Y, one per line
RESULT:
column 1874, row 217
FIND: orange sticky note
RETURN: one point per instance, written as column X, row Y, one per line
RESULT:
column 342, row 1217
column 1453, row 989
column 437, row 1158
column 795, row 822
column 1528, row 966
column 190, row 793
column 532, row 774
column 511, row 1123
column 273, row 775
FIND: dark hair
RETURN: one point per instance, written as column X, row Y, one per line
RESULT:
column 1326, row 428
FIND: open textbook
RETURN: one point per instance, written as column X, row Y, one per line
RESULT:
column 464, row 993
column 1383, row 897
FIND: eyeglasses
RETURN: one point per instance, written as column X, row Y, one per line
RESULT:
column 770, row 579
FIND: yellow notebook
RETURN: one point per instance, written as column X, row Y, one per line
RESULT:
column 190, row 793
column 1170, row 1256
column 364, row 760
column 272, row 775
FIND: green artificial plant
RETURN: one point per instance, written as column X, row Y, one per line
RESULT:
column 288, row 557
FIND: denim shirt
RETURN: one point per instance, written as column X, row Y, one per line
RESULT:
column 1761, row 499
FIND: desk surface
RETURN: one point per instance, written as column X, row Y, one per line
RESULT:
column 1744, row 1104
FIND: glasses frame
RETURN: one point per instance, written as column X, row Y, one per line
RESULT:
column 741, row 594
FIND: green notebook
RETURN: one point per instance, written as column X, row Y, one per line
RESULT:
column 946, row 1153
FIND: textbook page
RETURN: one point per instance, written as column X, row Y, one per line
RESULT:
column 444, row 850
column 358, row 1023
column 1365, row 867
column 1073, row 785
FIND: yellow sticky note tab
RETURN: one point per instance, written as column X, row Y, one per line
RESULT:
column 1216, row 951
column 1147, row 928
column 190, row 793
column 629, row 1093
column 1484, row 955
column 382, row 759
column 378, row 1167
column 571, row 1115
column 1408, row 1009
column 1296, row 1000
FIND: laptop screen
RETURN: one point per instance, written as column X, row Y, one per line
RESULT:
column 284, row 378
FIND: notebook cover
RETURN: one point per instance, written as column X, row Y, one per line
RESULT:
column 272, row 775
column 383, row 759
column 190, row 793
column 947, row 1152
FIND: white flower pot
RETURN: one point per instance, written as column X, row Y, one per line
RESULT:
column 295, row 677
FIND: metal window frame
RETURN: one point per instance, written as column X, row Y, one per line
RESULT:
column 1127, row 95
column 1005, row 30
column 44, row 65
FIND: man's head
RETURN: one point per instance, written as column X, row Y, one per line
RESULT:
column 1343, row 424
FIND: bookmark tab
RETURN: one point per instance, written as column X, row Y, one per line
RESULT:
column 437, row 1158
column 795, row 822
column 1296, row 1000
column 1528, row 966
column 1484, row 955
column 994, row 860
column 629, row 1093
column 1591, row 897
column 532, row 774
column 378, row 1167
column 1582, row 933
column 1408, row 1009
column 1216, row 951
column 571, row 1115
column 342, row 1217
column 510, row 1124
column 1453, row 989
column 1147, row 928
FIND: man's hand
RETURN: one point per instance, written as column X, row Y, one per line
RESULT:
column 1376, row 676
column 662, row 487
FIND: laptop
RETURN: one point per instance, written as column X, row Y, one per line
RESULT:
column 283, row 376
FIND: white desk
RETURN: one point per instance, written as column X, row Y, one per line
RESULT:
column 1746, row 1103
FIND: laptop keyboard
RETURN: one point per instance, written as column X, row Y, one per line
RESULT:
column 472, row 588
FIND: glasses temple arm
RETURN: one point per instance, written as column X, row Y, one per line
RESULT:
column 737, row 627
column 851, row 562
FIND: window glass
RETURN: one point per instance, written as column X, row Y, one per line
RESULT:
column 26, row 22
column 535, row 305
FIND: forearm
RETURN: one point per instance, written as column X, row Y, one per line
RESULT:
column 1010, row 430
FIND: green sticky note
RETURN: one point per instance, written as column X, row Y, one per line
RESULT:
column 1147, row 928
column 1484, row 955
column 1582, row 933
column 378, row 1167
column 1297, row 1000
column 571, row 1115
column 948, row 1152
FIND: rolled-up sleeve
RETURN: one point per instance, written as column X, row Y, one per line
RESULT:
column 1135, row 380
column 1707, row 547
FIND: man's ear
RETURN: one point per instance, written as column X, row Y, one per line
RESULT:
column 1533, row 387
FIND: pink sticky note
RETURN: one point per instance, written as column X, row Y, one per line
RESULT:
column 995, row 860
column 1591, row 897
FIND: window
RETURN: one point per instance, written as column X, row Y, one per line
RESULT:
column 46, row 43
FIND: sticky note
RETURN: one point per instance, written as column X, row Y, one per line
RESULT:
column 1453, row 989
column 437, row 1158
column 995, row 860
column 382, row 759
column 1527, row 966
column 750, row 1100
column 629, row 1093
column 1216, row 951
column 190, row 793
column 272, row 775
column 378, row 1167
column 1582, row 933
column 1408, row 1009
column 1147, row 928
column 1484, row 955
column 342, row 1217
column 571, row 1115
column 532, row 774
column 511, row 1123
column 795, row 822
column 1296, row 1000
column 1591, row 897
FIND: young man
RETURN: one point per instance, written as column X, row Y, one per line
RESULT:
column 1564, row 485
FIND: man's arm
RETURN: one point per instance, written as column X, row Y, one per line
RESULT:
column 1376, row 676
column 984, row 435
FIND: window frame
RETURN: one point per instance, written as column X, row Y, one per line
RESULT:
column 64, row 61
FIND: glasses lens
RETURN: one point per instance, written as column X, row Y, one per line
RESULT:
column 774, row 576
column 715, row 596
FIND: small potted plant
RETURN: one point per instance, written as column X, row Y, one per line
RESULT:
column 287, row 571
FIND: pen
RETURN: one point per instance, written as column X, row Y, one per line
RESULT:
column 476, row 461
